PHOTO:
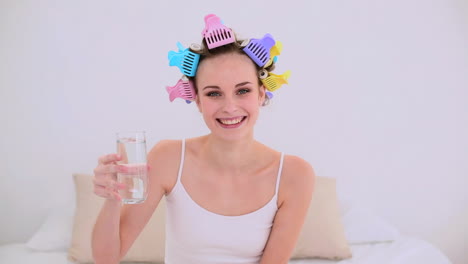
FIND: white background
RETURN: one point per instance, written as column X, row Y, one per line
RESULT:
column 377, row 98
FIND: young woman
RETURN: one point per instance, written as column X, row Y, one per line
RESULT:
column 229, row 198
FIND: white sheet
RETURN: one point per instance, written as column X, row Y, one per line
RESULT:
column 20, row 253
column 405, row 250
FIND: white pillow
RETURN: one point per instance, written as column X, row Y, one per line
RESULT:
column 362, row 226
column 56, row 231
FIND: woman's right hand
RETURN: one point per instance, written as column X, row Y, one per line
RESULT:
column 105, row 177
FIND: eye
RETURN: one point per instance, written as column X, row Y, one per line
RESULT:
column 243, row 91
column 213, row 94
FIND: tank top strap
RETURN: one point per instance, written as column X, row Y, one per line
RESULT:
column 182, row 158
column 278, row 178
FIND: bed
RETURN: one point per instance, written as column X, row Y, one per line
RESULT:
column 336, row 232
column 404, row 250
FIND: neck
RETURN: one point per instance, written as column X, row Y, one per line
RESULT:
column 233, row 156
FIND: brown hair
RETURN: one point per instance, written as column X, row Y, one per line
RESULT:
column 235, row 47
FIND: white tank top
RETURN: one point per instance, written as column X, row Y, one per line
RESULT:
column 196, row 235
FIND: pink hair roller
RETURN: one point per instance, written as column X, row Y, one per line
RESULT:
column 183, row 89
column 215, row 33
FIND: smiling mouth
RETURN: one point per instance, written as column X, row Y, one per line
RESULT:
column 231, row 121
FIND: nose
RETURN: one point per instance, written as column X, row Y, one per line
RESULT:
column 230, row 105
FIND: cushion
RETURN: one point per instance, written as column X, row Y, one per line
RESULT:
column 322, row 235
column 362, row 226
column 148, row 247
column 55, row 232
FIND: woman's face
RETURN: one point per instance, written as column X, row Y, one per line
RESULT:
column 229, row 95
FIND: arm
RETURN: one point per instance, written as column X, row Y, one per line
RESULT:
column 117, row 227
column 294, row 197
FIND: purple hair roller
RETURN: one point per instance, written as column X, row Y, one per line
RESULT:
column 259, row 49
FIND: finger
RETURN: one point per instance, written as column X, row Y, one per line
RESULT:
column 123, row 152
column 101, row 191
column 114, row 185
column 99, row 182
column 108, row 194
column 135, row 168
column 109, row 158
column 109, row 169
column 102, row 178
column 108, row 183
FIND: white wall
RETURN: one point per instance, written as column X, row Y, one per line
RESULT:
column 377, row 98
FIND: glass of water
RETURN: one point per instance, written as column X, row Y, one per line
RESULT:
column 131, row 146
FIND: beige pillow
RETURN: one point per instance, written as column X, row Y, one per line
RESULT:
column 148, row 247
column 322, row 235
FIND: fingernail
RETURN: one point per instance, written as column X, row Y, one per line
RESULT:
column 122, row 168
column 148, row 166
column 118, row 156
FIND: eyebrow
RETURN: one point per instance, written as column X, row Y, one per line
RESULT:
column 217, row 87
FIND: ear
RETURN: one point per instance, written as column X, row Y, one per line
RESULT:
column 197, row 100
column 261, row 95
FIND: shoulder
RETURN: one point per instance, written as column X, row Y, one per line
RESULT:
column 165, row 149
column 298, row 178
column 297, row 169
column 164, row 160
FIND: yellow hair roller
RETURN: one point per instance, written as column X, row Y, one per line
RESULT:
column 274, row 51
column 273, row 81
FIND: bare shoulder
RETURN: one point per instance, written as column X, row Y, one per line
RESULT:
column 165, row 149
column 298, row 178
column 164, row 160
column 297, row 169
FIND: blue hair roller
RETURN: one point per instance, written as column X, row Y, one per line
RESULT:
column 184, row 59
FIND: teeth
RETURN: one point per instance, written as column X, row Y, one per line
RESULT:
column 231, row 121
